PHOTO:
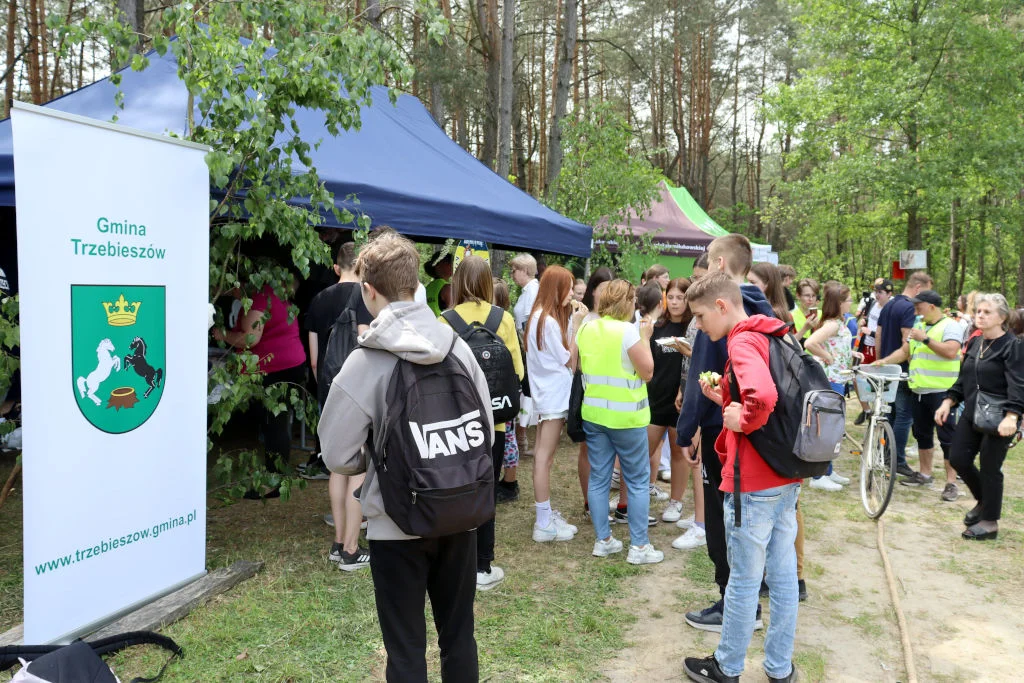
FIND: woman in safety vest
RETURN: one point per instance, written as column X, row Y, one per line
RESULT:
column 615, row 358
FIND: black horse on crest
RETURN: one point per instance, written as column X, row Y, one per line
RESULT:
column 137, row 360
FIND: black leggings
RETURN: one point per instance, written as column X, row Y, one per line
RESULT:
column 485, row 532
column 276, row 429
column 987, row 483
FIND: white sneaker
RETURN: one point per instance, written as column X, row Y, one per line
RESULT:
column 825, row 484
column 694, row 537
column 644, row 555
column 685, row 523
column 606, row 548
column 560, row 520
column 616, row 480
column 673, row 511
column 838, row 478
column 665, row 475
column 552, row 532
column 658, row 494
column 485, row 581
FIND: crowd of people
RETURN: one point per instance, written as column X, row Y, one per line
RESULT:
column 643, row 355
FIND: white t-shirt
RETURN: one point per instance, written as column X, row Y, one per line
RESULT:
column 420, row 296
column 550, row 379
column 524, row 305
column 876, row 310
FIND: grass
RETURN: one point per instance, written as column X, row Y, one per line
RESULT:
column 554, row 619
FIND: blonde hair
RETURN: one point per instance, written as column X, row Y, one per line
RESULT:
column 617, row 300
column 920, row 278
column 525, row 263
column 472, row 281
column 390, row 263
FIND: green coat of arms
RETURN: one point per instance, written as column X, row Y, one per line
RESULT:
column 118, row 353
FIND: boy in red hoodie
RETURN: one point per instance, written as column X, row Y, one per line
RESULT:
column 762, row 545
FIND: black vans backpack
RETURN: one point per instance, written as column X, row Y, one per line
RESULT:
column 342, row 340
column 804, row 432
column 494, row 359
column 432, row 452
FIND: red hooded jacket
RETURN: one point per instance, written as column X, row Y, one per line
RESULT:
column 748, row 360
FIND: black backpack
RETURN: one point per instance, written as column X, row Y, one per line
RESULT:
column 805, row 430
column 432, row 452
column 341, row 341
column 494, row 359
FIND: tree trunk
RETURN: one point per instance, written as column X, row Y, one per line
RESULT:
column 565, row 53
column 12, row 29
column 373, row 13
column 542, row 116
column 490, row 43
column 132, row 14
column 734, row 162
column 508, row 36
column 585, row 70
column 954, row 251
column 519, row 146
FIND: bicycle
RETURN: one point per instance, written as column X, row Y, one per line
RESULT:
column 877, row 452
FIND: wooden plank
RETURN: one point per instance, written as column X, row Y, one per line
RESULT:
column 168, row 609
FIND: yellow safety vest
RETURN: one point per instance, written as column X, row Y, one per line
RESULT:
column 613, row 397
column 928, row 370
column 434, row 294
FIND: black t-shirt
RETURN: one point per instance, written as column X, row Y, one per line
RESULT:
column 668, row 363
column 896, row 315
column 327, row 306
column 1000, row 372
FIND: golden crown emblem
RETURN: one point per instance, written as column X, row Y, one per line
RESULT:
column 121, row 313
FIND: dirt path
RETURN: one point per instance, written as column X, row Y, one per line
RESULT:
column 963, row 601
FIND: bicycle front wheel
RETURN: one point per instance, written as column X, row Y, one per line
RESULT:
column 878, row 469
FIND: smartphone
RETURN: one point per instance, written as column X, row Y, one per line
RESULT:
column 813, row 310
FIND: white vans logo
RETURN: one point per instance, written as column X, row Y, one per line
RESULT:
column 499, row 402
column 448, row 437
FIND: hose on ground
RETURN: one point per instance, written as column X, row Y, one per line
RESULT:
column 908, row 652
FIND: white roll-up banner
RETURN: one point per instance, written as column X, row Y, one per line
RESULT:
column 113, row 252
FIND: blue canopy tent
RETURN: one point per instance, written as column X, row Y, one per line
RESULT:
column 404, row 170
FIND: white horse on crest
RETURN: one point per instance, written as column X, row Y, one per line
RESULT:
column 87, row 386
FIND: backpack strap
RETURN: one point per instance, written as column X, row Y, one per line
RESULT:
column 494, row 318
column 458, row 324
column 9, row 655
column 734, row 391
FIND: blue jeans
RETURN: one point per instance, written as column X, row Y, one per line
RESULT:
column 902, row 420
column 603, row 443
column 762, row 546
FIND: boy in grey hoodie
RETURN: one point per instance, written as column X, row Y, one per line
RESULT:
column 405, row 568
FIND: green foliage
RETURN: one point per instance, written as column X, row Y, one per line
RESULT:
column 908, row 107
column 248, row 66
column 9, row 335
column 601, row 179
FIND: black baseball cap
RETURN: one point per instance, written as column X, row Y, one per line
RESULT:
column 884, row 285
column 928, row 296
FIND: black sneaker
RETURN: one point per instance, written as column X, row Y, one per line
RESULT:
column 349, row 561
column 917, row 479
column 905, row 471
column 862, row 418
column 315, row 472
column 791, row 678
column 621, row 516
column 706, row 670
column 508, row 492
column 710, row 618
column 803, row 593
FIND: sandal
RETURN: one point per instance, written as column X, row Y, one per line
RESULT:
column 976, row 533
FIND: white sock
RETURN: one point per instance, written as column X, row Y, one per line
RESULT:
column 543, row 513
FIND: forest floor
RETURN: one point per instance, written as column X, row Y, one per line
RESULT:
column 563, row 615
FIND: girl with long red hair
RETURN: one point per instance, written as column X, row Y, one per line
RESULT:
column 550, row 346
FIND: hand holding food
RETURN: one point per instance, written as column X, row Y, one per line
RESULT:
column 712, row 378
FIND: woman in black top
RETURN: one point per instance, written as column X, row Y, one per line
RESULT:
column 662, row 391
column 994, row 364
